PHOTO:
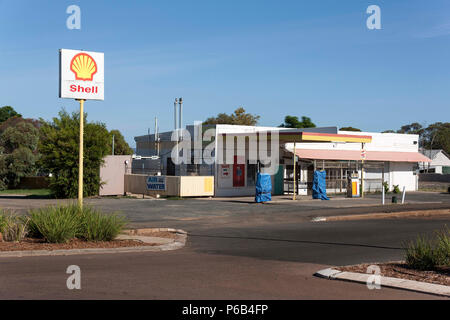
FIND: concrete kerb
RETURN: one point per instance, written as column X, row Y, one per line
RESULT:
column 164, row 245
column 382, row 215
column 389, row 282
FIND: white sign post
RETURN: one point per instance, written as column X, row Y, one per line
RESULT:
column 81, row 77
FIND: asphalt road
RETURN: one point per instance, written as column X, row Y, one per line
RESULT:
column 235, row 250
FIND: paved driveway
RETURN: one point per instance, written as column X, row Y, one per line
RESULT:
column 236, row 250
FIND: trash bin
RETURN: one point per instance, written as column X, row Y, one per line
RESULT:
column 394, row 199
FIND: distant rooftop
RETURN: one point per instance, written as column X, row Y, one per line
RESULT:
column 431, row 153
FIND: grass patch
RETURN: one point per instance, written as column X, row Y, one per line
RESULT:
column 2, row 221
column 12, row 227
column 55, row 224
column 27, row 192
column 96, row 226
column 62, row 223
column 429, row 254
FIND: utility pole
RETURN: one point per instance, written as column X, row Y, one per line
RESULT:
column 431, row 149
column 175, row 113
column 176, row 127
column 180, row 124
column 148, row 135
column 156, row 137
column 181, row 114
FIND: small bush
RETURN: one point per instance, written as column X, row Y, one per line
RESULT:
column 396, row 189
column 443, row 248
column 428, row 254
column 100, row 227
column 55, row 224
column 60, row 224
column 12, row 227
column 386, row 187
column 2, row 221
column 420, row 254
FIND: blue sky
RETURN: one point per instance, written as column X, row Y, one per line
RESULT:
column 274, row 58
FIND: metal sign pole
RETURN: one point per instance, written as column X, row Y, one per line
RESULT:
column 80, row 169
column 293, row 197
column 362, row 169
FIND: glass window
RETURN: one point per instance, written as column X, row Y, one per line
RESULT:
column 251, row 174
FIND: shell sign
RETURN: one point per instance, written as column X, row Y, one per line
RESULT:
column 81, row 75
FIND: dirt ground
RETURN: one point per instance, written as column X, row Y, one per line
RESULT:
column 37, row 244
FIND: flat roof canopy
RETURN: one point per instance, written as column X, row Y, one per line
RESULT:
column 298, row 135
column 394, row 156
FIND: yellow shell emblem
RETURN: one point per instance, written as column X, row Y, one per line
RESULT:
column 84, row 67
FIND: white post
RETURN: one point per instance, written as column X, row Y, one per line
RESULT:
column 403, row 195
column 382, row 195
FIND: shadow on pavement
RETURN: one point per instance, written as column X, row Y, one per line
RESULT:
column 297, row 241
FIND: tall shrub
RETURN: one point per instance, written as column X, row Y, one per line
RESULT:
column 59, row 145
column 18, row 151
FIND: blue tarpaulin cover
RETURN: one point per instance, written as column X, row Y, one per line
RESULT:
column 263, row 188
column 319, row 189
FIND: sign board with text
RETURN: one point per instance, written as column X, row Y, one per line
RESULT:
column 81, row 75
column 156, row 183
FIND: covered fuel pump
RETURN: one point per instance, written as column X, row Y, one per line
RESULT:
column 263, row 188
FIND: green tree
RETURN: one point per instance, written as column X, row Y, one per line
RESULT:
column 59, row 145
column 437, row 136
column 294, row 122
column 22, row 134
column 239, row 117
column 18, row 153
column 350, row 129
column 7, row 112
column 413, row 128
column 14, row 121
column 121, row 147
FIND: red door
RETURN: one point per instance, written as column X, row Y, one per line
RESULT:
column 238, row 174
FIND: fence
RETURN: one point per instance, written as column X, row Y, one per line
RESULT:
column 434, row 177
column 33, row 183
column 180, row 186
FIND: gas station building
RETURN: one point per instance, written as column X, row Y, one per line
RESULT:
column 369, row 157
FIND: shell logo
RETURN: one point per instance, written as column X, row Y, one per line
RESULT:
column 83, row 66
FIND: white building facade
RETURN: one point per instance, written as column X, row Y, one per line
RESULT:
column 440, row 162
column 388, row 158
